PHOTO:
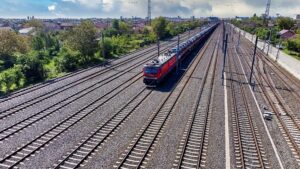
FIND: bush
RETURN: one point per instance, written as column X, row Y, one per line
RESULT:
column 12, row 79
column 32, row 65
column 293, row 45
column 68, row 60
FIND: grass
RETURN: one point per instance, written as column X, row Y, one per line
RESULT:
column 294, row 54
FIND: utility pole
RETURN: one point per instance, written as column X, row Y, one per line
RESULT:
column 253, row 60
column 103, row 45
column 239, row 40
column 270, row 36
column 158, row 47
column 224, row 59
column 149, row 12
column 277, row 55
column 232, row 33
column 224, row 30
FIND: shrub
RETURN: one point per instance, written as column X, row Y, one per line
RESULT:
column 68, row 60
column 12, row 78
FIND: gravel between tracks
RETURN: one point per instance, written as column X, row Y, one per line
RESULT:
column 53, row 152
column 165, row 152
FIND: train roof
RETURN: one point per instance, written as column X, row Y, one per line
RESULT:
column 161, row 59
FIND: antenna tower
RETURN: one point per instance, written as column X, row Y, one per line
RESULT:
column 149, row 12
column 267, row 12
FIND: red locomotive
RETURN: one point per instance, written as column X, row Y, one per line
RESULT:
column 156, row 70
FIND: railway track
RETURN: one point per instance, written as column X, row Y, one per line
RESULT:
column 47, row 83
column 138, row 151
column 248, row 148
column 10, row 111
column 87, row 147
column 289, row 82
column 30, row 148
column 47, row 137
column 85, row 79
column 193, row 146
column 287, row 122
column 48, row 112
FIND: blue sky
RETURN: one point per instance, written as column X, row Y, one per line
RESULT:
column 128, row 8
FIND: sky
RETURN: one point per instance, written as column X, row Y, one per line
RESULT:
column 129, row 8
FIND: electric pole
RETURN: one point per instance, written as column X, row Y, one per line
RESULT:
column 225, row 53
column 103, row 44
column 239, row 40
column 177, row 54
column 158, row 47
column 253, row 60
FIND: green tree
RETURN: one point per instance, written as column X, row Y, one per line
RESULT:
column 124, row 28
column 83, row 39
column 116, row 24
column 294, row 45
column 68, row 60
column 107, row 46
column 11, row 78
column 35, row 23
column 171, row 28
column 32, row 65
column 285, row 22
column 110, row 32
column 37, row 43
column 149, row 36
column 11, row 43
column 262, row 33
column 159, row 27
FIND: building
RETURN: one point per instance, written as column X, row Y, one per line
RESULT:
column 27, row 31
column 138, row 27
column 298, row 17
column 286, row 34
column 6, row 28
column 239, row 18
column 67, row 26
column 51, row 26
column 102, row 25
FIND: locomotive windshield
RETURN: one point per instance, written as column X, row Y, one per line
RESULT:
column 151, row 70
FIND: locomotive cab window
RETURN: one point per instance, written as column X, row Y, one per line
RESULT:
column 151, row 70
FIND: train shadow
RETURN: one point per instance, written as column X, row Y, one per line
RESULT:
column 173, row 79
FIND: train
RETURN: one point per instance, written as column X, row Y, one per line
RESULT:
column 156, row 70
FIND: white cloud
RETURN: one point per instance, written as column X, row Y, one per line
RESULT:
column 186, row 8
column 69, row 1
column 52, row 7
column 87, row 3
